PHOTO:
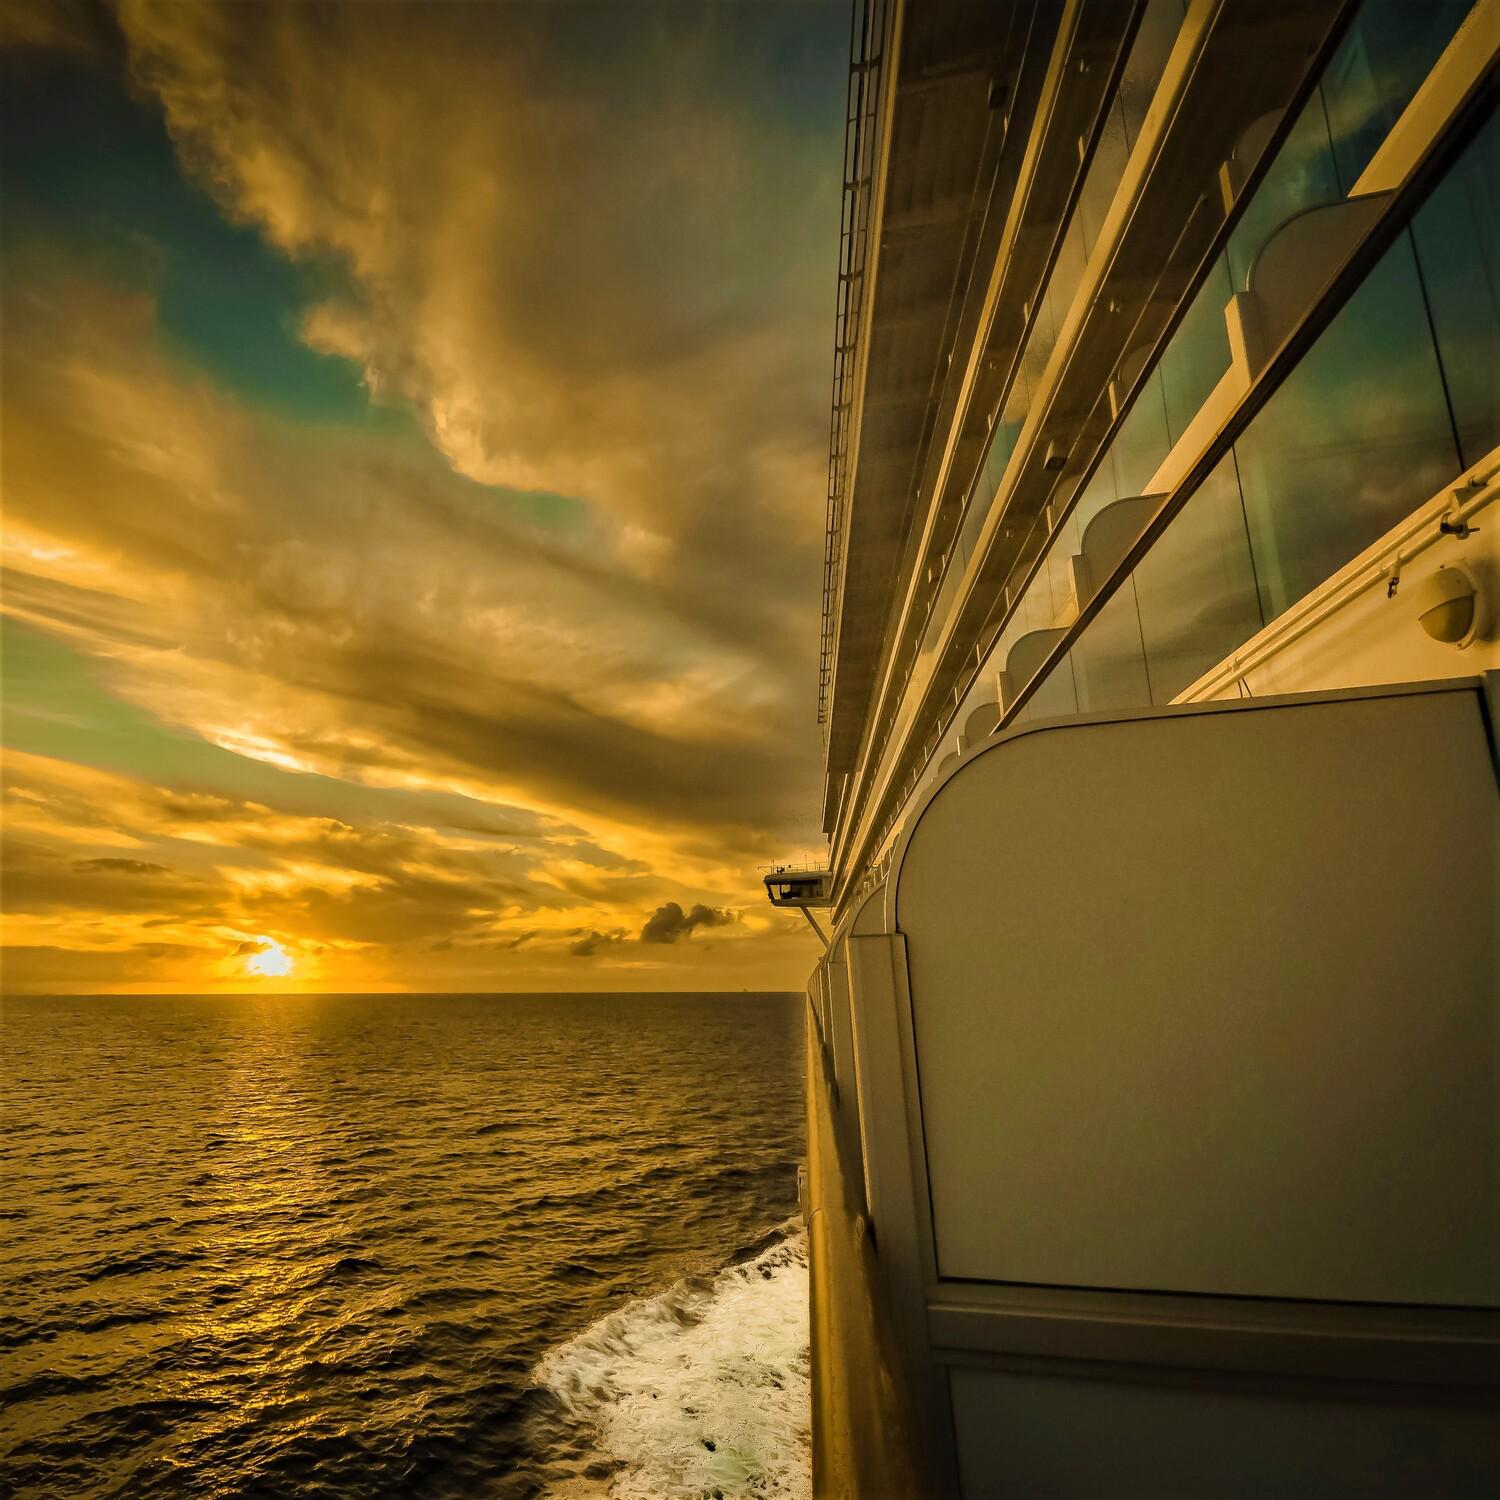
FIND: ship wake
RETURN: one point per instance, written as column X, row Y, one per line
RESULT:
column 699, row 1391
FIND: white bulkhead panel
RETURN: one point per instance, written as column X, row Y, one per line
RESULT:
column 1206, row 1001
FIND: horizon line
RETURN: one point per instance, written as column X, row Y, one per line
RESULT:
column 348, row 994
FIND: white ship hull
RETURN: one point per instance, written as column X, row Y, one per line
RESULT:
column 1154, row 1092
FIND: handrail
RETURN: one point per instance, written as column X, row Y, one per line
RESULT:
column 1446, row 514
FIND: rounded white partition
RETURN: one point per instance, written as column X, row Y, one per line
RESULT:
column 1197, row 1008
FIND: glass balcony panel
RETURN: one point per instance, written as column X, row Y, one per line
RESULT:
column 1002, row 445
column 1056, row 698
column 1106, row 168
column 1148, row 61
column 1198, row 356
column 1035, row 613
column 1002, row 442
column 973, row 520
column 1143, row 70
column 1038, row 608
column 1109, row 658
column 1058, row 568
column 1034, row 357
column 1067, row 272
column 1390, row 48
column 1457, row 236
column 1302, row 176
column 1144, row 65
column 1098, row 187
column 1143, row 440
column 1357, row 434
column 942, row 606
column 1195, row 589
column 1100, row 491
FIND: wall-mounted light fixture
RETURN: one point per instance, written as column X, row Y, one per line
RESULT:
column 1448, row 606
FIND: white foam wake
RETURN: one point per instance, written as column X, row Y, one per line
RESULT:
column 700, row 1391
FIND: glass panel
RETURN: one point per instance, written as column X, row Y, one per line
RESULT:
column 1038, row 351
column 1390, row 49
column 1054, row 699
column 1109, row 661
column 942, row 606
column 1142, row 441
column 1143, row 69
column 1002, row 445
column 1037, row 609
column 1458, row 248
column 1057, row 568
column 1196, row 587
column 1198, row 356
column 1302, row 176
column 1104, row 174
column 1072, row 259
column 1148, row 61
column 1357, row 435
column 1046, row 604
column 1002, row 442
column 1100, row 491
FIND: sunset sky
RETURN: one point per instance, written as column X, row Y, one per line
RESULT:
column 414, row 433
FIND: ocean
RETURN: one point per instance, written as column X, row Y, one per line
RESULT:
column 504, row 1245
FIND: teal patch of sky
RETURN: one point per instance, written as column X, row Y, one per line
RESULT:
column 806, row 72
column 546, row 510
column 87, row 164
column 57, row 705
column 786, row 66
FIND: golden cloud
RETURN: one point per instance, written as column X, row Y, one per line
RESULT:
column 583, row 278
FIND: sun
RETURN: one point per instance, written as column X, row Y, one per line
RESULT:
column 270, row 961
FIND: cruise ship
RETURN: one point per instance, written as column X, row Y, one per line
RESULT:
column 1154, row 1053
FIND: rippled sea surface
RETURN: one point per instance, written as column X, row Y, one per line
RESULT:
column 383, row 1245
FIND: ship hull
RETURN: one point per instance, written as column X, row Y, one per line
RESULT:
column 866, row 1442
column 1214, row 1213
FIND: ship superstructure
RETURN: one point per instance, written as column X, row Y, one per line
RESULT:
column 1161, row 590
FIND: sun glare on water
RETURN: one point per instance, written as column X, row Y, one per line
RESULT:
column 271, row 962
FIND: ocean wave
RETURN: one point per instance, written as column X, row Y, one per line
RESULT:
column 578, row 1270
column 352, row 1265
column 284, row 1283
column 699, row 1391
column 154, row 1261
column 50, row 1383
